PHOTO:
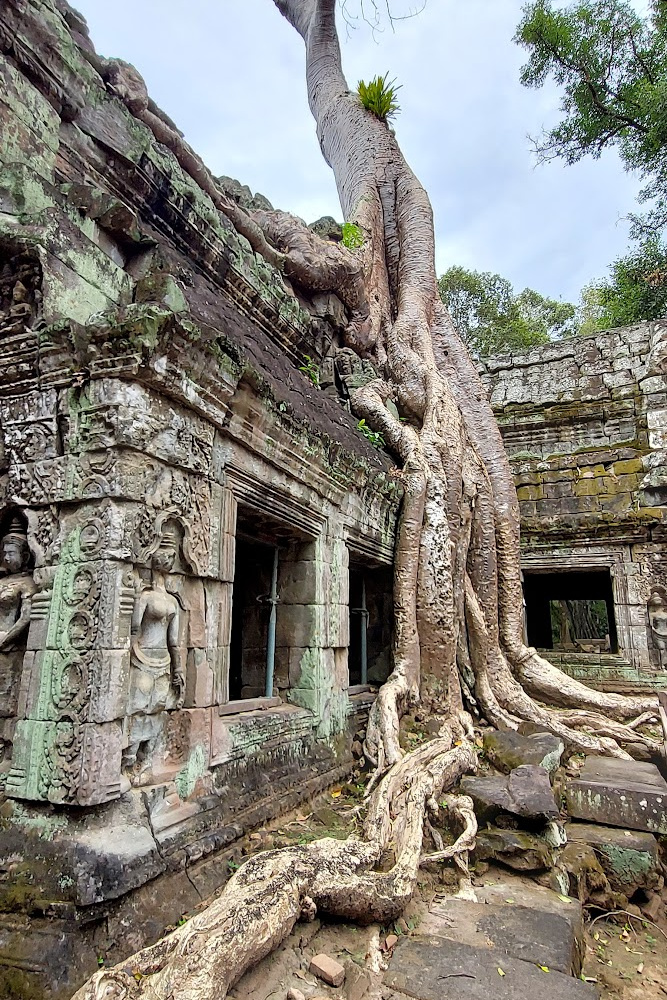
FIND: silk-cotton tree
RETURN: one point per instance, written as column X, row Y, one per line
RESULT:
column 457, row 592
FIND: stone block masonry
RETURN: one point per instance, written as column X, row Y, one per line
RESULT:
column 583, row 422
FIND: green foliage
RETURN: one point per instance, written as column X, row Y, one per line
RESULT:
column 379, row 97
column 591, row 310
column 550, row 319
column 353, row 238
column 574, row 620
column 375, row 437
column 491, row 318
column 310, row 369
column 611, row 64
column 635, row 290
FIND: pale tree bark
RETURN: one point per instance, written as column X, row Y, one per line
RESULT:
column 263, row 900
column 457, row 587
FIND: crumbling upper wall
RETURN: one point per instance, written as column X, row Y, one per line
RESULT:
column 581, row 421
column 584, row 422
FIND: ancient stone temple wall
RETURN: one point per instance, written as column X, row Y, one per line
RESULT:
column 159, row 447
column 583, row 422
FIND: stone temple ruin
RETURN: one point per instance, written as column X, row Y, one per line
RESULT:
column 196, row 540
column 584, row 423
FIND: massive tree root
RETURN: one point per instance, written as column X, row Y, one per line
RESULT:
column 264, row 899
column 457, row 591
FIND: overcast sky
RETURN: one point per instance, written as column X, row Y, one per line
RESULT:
column 231, row 75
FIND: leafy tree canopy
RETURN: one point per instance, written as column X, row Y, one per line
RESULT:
column 635, row 290
column 611, row 64
column 491, row 318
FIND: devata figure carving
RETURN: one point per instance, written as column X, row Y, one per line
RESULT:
column 657, row 616
column 157, row 681
column 16, row 590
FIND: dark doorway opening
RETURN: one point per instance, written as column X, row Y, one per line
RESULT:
column 571, row 610
column 251, row 612
column 371, row 625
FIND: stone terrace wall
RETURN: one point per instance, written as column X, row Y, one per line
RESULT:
column 584, row 422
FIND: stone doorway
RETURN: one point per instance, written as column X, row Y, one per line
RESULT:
column 571, row 610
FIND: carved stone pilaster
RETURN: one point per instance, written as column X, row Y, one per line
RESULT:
column 76, row 672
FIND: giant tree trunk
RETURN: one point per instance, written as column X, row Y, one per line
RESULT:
column 457, row 589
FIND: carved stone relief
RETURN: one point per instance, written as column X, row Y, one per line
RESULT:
column 20, row 293
column 157, row 674
column 110, row 413
column 17, row 588
column 75, row 674
column 657, row 616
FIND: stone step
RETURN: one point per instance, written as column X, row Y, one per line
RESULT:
column 437, row 968
column 606, row 671
column 539, row 936
column 623, row 793
column 515, row 926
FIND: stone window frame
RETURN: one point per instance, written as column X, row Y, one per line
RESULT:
column 365, row 554
column 610, row 558
column 255, row 495
column 238, row 705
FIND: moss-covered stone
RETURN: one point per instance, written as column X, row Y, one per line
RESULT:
column 629, row 858
column 530, row 493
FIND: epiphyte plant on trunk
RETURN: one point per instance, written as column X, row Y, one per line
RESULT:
column 379, row 97
column 459, row 646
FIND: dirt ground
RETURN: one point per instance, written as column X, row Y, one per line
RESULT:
column 627, row 960
column 627, row 957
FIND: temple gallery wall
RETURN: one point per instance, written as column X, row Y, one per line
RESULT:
column 584, row 422
column 196, row 540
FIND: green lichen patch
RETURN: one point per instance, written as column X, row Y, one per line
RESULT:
column 195, row 768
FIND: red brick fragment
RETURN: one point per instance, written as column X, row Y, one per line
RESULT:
column 328, row 969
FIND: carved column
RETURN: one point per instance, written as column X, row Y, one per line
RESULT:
column 128, row 469
column 74, row 690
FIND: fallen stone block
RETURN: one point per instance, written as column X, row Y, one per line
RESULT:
column 623, row 793
column 655, row 907
column 518, row 849
column 509, row 750
column 357, row 981
column 585, row 873
column 327, row 969
column 525, row 792
column 436, row 968
column 628, row 858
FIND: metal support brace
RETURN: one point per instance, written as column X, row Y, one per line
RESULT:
column 271, row 638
